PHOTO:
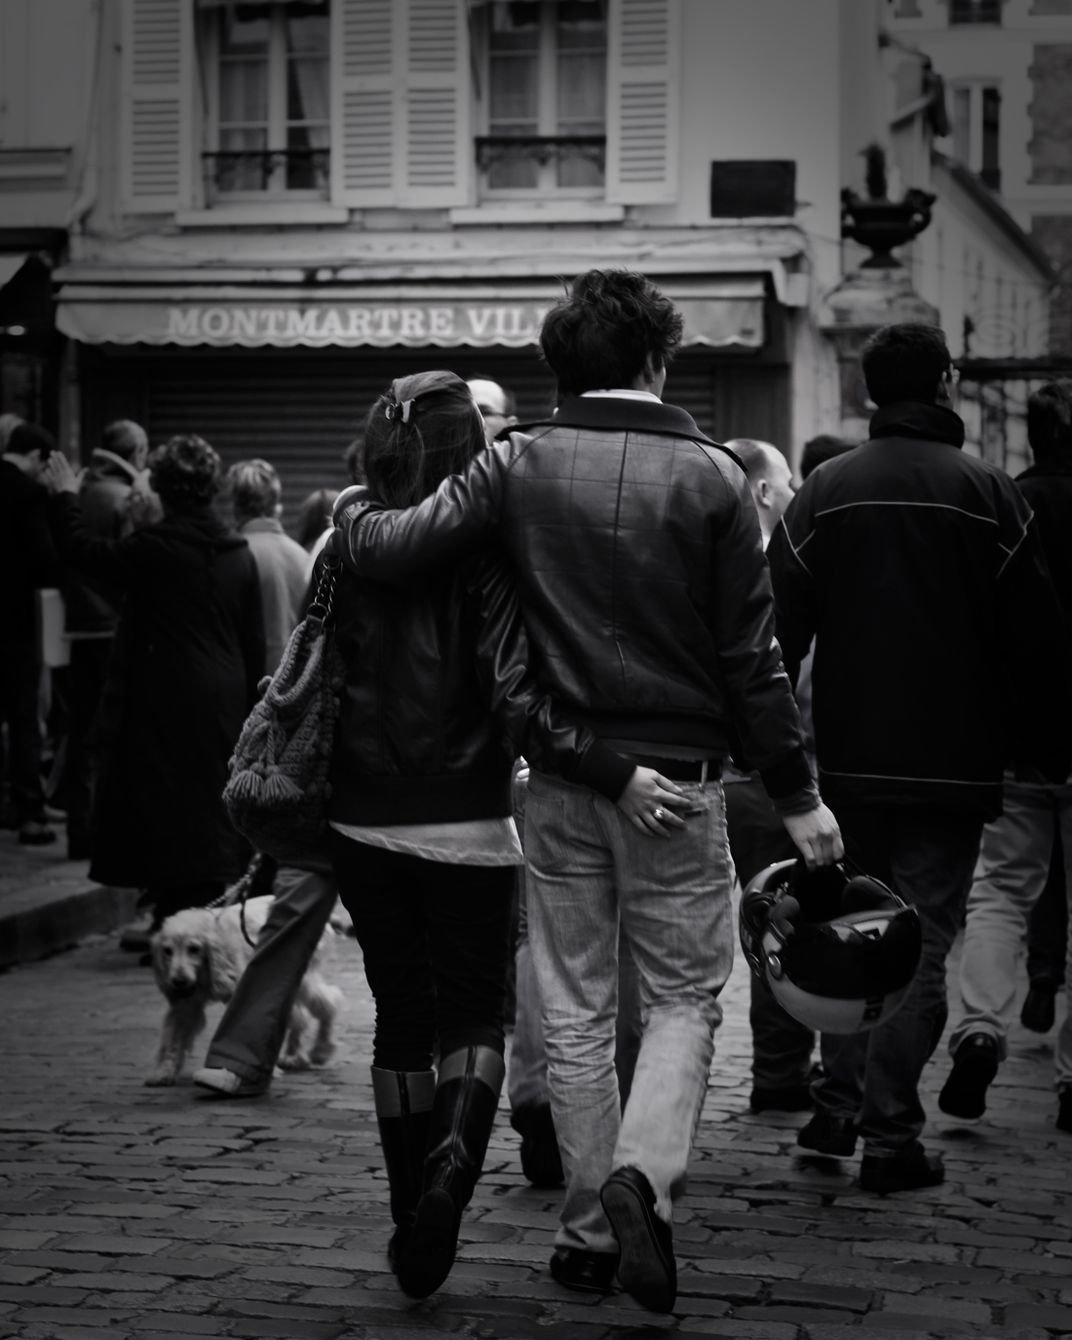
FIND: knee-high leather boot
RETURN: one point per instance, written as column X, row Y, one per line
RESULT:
column 462, row 1117
column 403, row 1110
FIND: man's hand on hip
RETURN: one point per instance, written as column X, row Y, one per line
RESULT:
column 816, row 835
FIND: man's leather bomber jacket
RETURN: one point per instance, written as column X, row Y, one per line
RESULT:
column 641, row 574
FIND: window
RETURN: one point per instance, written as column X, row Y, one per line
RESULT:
column 974, row 11
column 544, row 97
column 977, row 130
column 268, row 121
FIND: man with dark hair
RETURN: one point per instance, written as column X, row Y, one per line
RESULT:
column 641, row 576
column 822, row 448
column 28, row 562
column 1015, row 855
column 939, row 661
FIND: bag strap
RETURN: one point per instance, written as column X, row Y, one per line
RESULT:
column 318, row 615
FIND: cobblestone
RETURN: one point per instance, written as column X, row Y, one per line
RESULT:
column 137, row 1214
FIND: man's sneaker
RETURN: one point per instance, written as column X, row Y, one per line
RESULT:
column 824, row 1134
column 226, row 1084
column 646, row 1267
column 910, row 1169
column 34, row 833
column 1039, row 1009
column 1064, row 1110
column 975, row 1063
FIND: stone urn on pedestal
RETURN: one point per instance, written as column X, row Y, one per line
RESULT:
column 879, row 291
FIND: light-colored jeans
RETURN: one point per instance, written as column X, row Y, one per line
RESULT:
column 589, row 871
column 250, row 1034
column 1013, row 865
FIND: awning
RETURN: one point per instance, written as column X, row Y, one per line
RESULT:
column 718, row 313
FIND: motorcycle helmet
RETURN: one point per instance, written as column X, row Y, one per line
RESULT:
column 838, row 952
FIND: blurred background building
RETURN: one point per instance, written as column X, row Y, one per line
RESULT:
column 244, row 218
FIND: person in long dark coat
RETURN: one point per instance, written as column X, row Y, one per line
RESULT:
column 189, row 652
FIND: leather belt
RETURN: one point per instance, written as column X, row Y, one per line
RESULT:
column 677, row 769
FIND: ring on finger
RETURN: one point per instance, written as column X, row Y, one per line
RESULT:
column 658, row 813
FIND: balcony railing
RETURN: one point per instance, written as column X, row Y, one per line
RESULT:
column 266, row 171
column 975, row 11
column 494, row 150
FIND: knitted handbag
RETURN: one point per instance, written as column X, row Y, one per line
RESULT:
column 278, row 792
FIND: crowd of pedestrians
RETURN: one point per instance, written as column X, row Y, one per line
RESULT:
column 598, row 668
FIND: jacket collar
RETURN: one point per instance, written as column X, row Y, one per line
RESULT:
column 106, row 460
column 914, row 418
column 261, row 524
column 626, row 415
column 1047, row 468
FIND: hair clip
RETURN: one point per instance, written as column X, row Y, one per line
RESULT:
column 392, row 406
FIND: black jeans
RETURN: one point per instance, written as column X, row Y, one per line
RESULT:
column 927, row 856
column 435, row 939
column 781, row 1045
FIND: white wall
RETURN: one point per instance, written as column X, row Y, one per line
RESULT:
column 46, row 67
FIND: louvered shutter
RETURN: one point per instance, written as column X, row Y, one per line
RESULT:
column 366, row 98
column 158, row 87
column 643, row 77
column 401, row 103
column 438, row 146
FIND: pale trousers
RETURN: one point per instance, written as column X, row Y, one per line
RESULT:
column 590, row 871
column 1013, row 866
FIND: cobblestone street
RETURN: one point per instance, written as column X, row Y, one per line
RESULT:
column 135, row 1212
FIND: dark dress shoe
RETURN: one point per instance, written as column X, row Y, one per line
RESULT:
column 975, row 1063
column 824, row 1134
column 909, row 1170
column 585, row 1272
column 1039, row 1009
column 646, row 1268
column 785, row 1098
column 541, row 1161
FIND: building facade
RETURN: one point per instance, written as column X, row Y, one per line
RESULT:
column 283, row 204
column 1008, row 71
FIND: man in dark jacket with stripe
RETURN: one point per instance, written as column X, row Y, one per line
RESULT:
column 938, row 656
column 1016, row 850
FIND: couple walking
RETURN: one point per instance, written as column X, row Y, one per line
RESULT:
column 640, row 570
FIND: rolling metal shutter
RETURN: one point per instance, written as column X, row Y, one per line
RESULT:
column 299, row 409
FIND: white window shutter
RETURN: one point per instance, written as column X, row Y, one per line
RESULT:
column 643, row 78
column 438, row 141
column 157, row 104
column 366, row 92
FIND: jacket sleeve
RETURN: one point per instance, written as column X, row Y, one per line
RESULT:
column 91, row 555
column 530, row 721
column 788, row 555
column 252, row 635
column 396, row 544
column 764, row 711
column 1038, row 650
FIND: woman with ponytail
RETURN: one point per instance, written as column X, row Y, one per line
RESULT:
column 437, row 704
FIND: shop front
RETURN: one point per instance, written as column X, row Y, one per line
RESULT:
column 286, row 375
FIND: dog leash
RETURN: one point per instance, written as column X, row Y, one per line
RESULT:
column 258, row 867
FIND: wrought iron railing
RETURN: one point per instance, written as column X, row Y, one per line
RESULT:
column 494, row 150
column 269, row 170
column 975, row 11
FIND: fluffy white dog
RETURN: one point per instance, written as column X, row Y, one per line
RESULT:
column 198, row 956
